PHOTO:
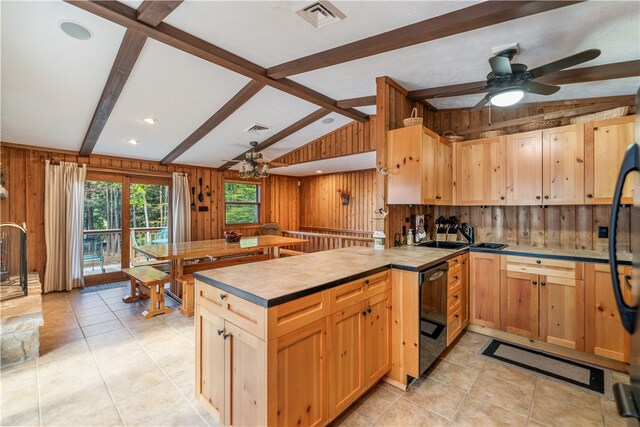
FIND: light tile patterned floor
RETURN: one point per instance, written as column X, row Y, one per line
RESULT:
column 102, row 364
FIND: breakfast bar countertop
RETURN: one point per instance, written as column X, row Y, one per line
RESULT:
column 276, row 281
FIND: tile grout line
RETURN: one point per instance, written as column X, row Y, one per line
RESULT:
column 159, row 367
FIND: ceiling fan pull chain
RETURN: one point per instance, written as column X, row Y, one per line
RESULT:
column 489, row 114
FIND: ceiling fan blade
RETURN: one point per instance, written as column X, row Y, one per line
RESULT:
column 541, row 88
column 567, row 62
column 232, row 161
column 500, row 65
column 482, row 103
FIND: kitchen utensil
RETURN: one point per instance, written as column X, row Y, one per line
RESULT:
column 193, row 197
column 200, row 195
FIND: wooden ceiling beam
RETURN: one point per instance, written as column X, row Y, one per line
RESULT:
column 302, row 123
column 618, row 70
column 151, row 12
column 126, row 58
column 470, row 18
column 363, row 101
column 125, row 16
column 245, row 94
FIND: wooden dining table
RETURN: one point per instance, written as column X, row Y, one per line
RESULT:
column 215, row 253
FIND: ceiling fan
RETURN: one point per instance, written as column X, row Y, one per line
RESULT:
column 254, row 165
column 507, row 83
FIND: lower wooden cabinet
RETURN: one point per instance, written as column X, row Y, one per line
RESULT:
column 297, row 375
column 543, row 300
column 360, row 349
column 231, row 378
column 484, row 284
column 605, row 335
column 464, row 293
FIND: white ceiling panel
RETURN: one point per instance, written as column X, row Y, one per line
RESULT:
column 611, row 27
column 339, row 164
column 269, row 107
column 270, row 32
column 180, row 90
column 305, row 135
column 51, row 82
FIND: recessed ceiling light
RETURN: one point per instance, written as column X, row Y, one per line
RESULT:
column 318, row 171
column 150, row 120
column 133, row 141
column 75, row 30
column 328, row 120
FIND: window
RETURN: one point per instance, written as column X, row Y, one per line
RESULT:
column 241, row 203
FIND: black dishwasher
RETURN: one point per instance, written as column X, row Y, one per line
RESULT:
column 433, row 314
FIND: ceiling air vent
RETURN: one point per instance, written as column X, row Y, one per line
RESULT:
column 321, row 13
column 257, row 129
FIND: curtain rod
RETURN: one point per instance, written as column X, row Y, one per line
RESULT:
column 119, row 171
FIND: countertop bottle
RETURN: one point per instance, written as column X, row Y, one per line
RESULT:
column 410, row 237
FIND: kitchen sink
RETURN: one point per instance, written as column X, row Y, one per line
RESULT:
column 496, row 246
column 444, row 245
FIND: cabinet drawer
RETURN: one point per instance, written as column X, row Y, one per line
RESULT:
column 454, row 283
column 242, row 313
column 454, row 302
column 454, row 325
column 350, row 293
column 453, row 262
column 288, row 317
column 542, row 266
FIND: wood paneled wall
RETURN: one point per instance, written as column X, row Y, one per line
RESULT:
column 321, row 206
column 566, row 227
column 352, row 138
column 24, row 174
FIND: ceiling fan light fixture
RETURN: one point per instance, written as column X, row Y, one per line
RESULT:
column 507, row 97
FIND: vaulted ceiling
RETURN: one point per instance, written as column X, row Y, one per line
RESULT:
column 208, row 70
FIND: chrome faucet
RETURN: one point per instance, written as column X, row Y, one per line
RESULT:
column 468, row 232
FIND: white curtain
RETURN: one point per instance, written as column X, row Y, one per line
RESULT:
column 181, row 207
column 63, row 224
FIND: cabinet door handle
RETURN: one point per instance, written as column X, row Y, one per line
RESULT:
column 369, row 310
column 364, row 312
column 501, row 197
column 589, row 196
column 627, row 281
column 534, row 282
column 543, row 283
column 225, row 336
column 538, row 261
column 222, row 296
column 537, row 197
column 366, row 282
column 455, row 277
column 456, row 296
column 220, row 331
column 546, row 197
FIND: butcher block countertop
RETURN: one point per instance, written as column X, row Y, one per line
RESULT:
column 274, row 282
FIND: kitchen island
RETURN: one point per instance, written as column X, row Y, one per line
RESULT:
column 299, row 339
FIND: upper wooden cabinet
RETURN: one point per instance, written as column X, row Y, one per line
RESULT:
column 420, row 167
column 481, row 171
column 605, row 144
column 546, row 167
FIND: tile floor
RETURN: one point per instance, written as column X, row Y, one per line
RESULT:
column 102, row 365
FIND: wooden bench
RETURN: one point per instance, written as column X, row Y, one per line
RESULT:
column 151, row 280
column 187, row 282
column 155, row 263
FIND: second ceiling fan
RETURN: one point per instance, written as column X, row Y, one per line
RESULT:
column 507, row 83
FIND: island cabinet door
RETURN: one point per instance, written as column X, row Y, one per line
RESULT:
column 210, row 350
column 562, row 312
column 297, row 377
column 604, row 334
column 519, row 300
column 484, row 289
column 346, row 357
column 245, row 378
column 377, row 337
